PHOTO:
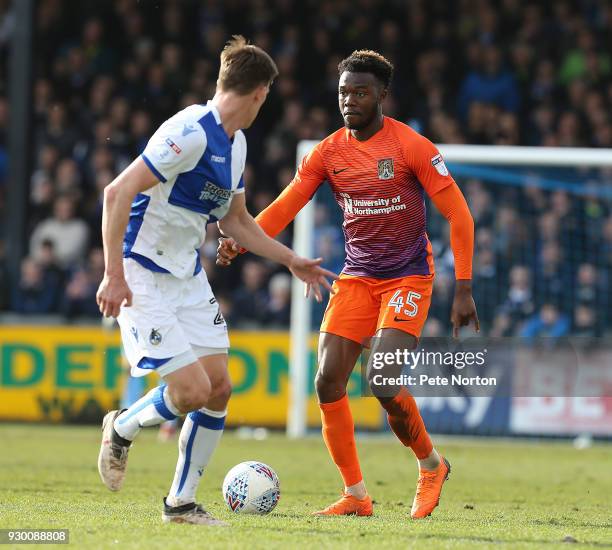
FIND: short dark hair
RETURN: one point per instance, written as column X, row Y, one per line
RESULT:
column 368, row 61
column 244, row 67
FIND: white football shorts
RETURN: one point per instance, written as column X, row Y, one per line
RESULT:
column 171, row 321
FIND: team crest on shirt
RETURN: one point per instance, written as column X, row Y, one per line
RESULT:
column 155, row 337
column 385, row 169
column 438, row 163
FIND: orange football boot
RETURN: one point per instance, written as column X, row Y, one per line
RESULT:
column 429, row 488
column 348, row 505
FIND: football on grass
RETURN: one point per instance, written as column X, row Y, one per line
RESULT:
column 251, row 488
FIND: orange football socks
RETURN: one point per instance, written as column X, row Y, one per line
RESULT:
column 407, row 424
column 339, row 436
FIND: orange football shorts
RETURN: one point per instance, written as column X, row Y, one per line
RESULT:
column 362, row 305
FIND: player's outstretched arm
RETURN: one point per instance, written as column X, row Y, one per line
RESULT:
column 118, row 196
column 243, row 228
column 272, row 220
column 451, row 204
column 278, row 215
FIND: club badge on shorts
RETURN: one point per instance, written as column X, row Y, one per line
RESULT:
column 438, row 163
column 155, row 337
column 385, row 169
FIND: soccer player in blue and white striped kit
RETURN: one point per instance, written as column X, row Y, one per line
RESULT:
column 154, row 221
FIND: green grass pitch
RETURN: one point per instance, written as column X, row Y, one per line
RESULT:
column 500, row 494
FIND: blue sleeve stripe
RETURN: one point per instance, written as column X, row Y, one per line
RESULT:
column 207, row 421
column 153, row 169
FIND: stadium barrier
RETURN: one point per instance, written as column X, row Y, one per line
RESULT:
column 75, row 374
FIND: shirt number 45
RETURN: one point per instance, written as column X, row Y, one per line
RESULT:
column 409, row 307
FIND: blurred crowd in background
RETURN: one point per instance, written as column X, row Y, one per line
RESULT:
column 507, row 72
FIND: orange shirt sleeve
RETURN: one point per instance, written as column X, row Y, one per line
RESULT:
column 310, row 174
column 281, row 212
column 427, row 163
column 451, row 204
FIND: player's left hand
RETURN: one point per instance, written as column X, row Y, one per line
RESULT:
column 464, row 308
column 227, row 250
column 311, row 272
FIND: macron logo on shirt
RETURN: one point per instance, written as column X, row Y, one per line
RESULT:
column 188, row 130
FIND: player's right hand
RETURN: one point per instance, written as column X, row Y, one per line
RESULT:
column 315, row 276
column 227, row 250
column 113, row 293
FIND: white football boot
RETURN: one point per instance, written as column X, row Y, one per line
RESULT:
column 112, row 460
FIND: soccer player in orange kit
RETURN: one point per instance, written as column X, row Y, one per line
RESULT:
column 378, row 169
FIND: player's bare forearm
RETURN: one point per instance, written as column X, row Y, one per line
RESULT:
column 272, row 221
column 115, row 217
column 463, row 286
column 464, row 307
column 113, row 292
column 243, row 228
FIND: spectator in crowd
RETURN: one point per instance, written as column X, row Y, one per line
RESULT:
column 68, row 233
column 328, row 239
column 586, row 323
column 80, row 295
column 510, row 235
column 502, row 326
column 548, row 322
column 279, row 305
column 486, row 280
column 250, row 299
column 489, row 84
column 54, row 276
column 587, row 290
column 519, row 304
column 33, row 294
column 42, row 186
column 553, row 276
column 480, row 203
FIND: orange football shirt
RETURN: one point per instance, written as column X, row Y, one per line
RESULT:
column 379, row 184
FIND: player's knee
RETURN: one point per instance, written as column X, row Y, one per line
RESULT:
column 193, row 397
column 221, row 392
column 321, row 382
column 328, row 387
